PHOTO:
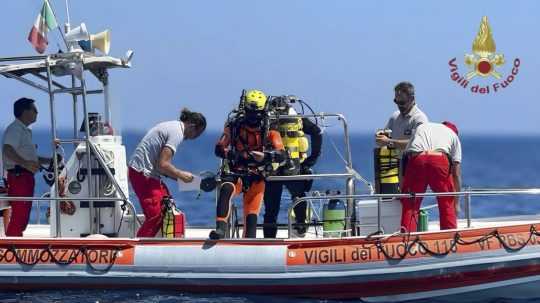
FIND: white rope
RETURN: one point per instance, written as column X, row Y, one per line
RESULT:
column 350, row 170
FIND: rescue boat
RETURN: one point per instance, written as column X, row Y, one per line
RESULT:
column 368, row 258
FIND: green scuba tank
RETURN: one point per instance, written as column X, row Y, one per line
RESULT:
column 334, row 218
column 423, row 219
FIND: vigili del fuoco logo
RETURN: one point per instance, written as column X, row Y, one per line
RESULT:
column 483, row 63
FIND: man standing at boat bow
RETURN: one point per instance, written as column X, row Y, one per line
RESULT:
column 434, row 159
column 21, row 162
column 152, row 159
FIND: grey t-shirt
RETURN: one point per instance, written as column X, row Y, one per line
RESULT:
column 435, row 137
column 403, row 126
column 146, row 155
column 19, row 136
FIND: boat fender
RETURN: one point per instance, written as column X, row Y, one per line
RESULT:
column 66, row 207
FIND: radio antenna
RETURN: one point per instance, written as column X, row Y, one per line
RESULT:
column 59, row 29
column 68, row 23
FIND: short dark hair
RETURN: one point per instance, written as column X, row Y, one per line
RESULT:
column 21, row 105
column 405, row 87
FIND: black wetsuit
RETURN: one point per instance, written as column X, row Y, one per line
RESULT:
column 296, row 188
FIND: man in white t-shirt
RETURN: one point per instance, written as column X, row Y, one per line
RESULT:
column 21, row 162
column 434, row 159
column 152, row 159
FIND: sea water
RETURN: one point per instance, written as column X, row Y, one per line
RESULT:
column 488, row 162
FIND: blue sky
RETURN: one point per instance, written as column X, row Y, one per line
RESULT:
column 341, row 56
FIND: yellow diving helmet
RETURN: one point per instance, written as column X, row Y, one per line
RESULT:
column 255, row 100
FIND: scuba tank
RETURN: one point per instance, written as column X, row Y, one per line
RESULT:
column 423, row 219
column 173, row 225
column 386, row 162
column 334, row 217
column 294, row 140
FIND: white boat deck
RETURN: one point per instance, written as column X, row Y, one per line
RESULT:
column 43, row 230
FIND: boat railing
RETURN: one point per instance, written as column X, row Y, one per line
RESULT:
column 350, row 175
column 57, row 200
column 467, row 194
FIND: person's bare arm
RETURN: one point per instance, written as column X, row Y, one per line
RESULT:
column 456, row 176
column 166, row 168
column 10, row 152
column 383, row 140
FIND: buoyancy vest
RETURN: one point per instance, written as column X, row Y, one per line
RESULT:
column 241, row 139
column 249, row 139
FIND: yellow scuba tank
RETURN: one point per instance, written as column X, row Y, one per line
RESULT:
column 173, row 224
column 295, row 143
column 386, row 162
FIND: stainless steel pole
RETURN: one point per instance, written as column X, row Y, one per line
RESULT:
column 53, row 144
column 88, row 158
column 379, row 217
column 468, row 207
column 308, row 177
column 75, row 122
column 350, row 190
column 106, row 95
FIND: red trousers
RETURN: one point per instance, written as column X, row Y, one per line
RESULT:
column 19, row 185
column 422, row 170
column 150, row 192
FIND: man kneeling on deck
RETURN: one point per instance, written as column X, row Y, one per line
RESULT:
column 433, row 158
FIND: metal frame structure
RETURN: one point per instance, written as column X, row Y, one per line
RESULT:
column 44, row 68
column 349, row 176
column 467, row 194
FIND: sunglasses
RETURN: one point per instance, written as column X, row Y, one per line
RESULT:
column 402, row 102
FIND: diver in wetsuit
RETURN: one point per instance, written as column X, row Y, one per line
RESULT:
column 293, row 133
column 246, row 146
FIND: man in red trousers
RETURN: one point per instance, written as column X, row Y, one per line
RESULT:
column 434, row 159
column 21, row 162
column 152, row 160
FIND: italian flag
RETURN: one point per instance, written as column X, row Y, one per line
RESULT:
column 44, row 23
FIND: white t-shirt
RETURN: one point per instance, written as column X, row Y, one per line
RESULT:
column 146, row 155
column 19, row 136
column 435, row 137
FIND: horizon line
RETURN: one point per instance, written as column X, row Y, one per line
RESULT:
column 351, row 132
